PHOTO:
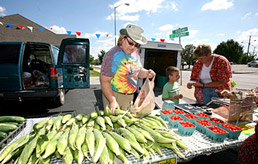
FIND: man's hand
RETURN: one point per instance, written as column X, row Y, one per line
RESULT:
column 150, row 74
column 113, row 106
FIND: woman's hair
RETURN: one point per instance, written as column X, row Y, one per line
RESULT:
column 121, row 37
column 171, row 69
column 202, row 50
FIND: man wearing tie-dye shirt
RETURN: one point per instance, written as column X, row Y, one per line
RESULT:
column 121, row 67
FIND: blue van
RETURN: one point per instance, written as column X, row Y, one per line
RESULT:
column 41, row 70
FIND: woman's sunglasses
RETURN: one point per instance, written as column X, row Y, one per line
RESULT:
column 131, row 43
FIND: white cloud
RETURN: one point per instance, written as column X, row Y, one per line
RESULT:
column 123, row 12
column 217, row 5
column 246, row 16
column 256, row 14
column 244, row 37
column 2, row 10
column 58, row 30
column 172, row 5
column 220, row 34
column 166, row 27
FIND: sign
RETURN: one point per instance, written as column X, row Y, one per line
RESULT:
column 179, row 32
column 170, row 161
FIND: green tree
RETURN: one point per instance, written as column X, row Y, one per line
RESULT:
column 231, row 49
column 91, row 59
column 101, row 55
column 187, row 54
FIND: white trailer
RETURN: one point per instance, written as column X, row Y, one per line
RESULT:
column 158, row 56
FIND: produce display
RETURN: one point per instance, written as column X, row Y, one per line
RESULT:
column 96, row 137
column 9, row 125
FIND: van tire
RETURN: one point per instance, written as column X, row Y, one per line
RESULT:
column 60, row 99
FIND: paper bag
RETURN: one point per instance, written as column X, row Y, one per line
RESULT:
column 145, row 101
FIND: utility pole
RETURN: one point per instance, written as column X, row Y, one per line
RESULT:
column 248, row 45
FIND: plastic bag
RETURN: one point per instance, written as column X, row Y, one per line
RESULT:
column 145, row 101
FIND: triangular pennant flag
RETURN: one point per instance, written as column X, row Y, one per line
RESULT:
column 153, row 39
column 78, row 33
column 69, row 33
column 31, row 28
column 50, row 28
column 107, row 35
column 20, row 26
column 98, row 35
column 1, row 23
column 162, row 40
column 41, row 29
column 9, row 25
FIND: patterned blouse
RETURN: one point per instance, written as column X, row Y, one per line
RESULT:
column 220, row 70
column 248, row 152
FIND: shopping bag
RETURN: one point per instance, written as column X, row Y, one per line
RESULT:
column 145, row 101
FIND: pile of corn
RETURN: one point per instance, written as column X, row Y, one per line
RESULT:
column 98, row 136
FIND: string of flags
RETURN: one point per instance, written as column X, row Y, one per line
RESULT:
column 18, row 26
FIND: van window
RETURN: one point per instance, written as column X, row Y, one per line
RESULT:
column 74, row 54
column 9, row 53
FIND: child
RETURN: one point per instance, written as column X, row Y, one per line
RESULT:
column 171, row 89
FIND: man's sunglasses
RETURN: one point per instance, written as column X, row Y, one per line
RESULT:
column 131, row 43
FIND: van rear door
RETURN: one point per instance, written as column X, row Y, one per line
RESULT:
column 73, row 63
column 10, row 59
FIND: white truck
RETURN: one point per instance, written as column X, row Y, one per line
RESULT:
column 158, row 56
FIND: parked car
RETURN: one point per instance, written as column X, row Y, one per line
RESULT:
column 252, row 64
column 41, row 70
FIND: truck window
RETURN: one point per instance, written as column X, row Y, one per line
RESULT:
column 74, row 54
column 9, row 53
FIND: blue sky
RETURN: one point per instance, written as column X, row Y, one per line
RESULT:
column 208, row 21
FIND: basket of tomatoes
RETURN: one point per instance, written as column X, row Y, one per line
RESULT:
column 165, row 113
column 216, row 133
column 186, row 127
column 233, row 131
column 190, row 117
column 202, row 115
column 174, row 120
column 216, row 121
column 202, row 124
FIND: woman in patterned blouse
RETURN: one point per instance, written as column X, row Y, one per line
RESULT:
column 211, row 72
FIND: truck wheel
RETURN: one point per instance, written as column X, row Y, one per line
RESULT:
column 60, row 100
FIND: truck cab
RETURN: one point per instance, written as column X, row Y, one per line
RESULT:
column 41, row 70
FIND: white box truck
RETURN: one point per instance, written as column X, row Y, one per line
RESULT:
column 158, row 56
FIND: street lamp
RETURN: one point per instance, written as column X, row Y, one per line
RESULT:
column 127, row 4
column 249, row 42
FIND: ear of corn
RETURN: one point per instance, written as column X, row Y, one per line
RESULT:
column 13, row 154
column 90, row 139
column 68, row 156
column 155, row 146
column 173, row 147
column 100, row 143
column 139, row 136
column 130, row 137
column 155, row 122
column 104, row 157
column 72, row 136
column 79, row 117
column 33, row 158
column 85, row 149
column 51, row 147
column 90, row 123
column 111, row 156
column 63, row 142
column 78, row 156
column 107, row 111
column 50, row 123
column 145, row 133
column 135, row 153
column 57, row 154
column 159, row 119
column 40, row 124
column 58, row 122
column 108, row 121
column 66, row 118
column 123, row 143
column 100, row 120
column 111, row 143
column 121, row 122
column 80, row 137
column 122, row 156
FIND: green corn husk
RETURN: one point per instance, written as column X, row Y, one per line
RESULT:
column 78, row 156
column 159, row 119
column 33, row 158
column 108, row 121
column 66, row 118
column 155, row 146
column 100, row 143
column 111, row 156
column 104, row 157
column 63, row 141
column 51, row 147
column 80, row 137
column 79, row 117
column 139, row 136
column 144, row 132
column 85, row 119
column 122, row 156
column 90, row 139
column 43, row 142
column 123, row 143
column 101, row 121
column 58, row 122
column 68, row 156
column 40, row 124
column 111, row 143
column 72, row 136
column 174, row 148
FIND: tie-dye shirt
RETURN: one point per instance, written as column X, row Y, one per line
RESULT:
column 123, row 68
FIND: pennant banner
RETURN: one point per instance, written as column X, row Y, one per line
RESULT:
column 98, row 35
column 69, row 33
column 29, row 27
column 162, row 40
column 1, row 23
column 78, row 33
column 41, row 29
column 20, row 26
column 107, row 35
column 9, row 25
column 153, row 39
